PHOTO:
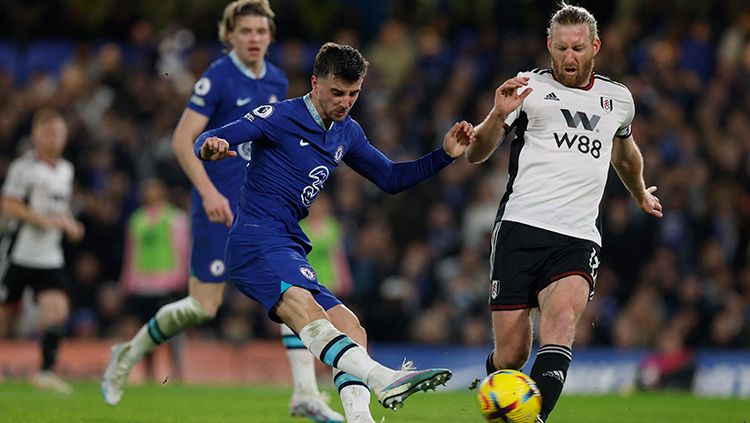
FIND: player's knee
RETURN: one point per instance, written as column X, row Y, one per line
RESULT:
column 208, row 309
column 182, row 314
column 203, row 311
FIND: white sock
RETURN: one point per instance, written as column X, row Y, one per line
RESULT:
column 301, row 362
column 339, row 351
column 170, row 320
column 355, row 395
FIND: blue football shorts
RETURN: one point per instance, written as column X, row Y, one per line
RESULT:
column 207, row 250
column 264, row 266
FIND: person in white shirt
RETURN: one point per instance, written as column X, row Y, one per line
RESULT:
column 35, row 216
column 570, row 124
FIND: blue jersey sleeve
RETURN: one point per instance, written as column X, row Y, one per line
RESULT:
column 206, row 94
column 235, row 133
column 394, row 177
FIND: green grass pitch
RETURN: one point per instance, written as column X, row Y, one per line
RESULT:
column 19, row 402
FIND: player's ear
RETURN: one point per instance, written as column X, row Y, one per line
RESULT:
column 314, row 82
column 597, row 45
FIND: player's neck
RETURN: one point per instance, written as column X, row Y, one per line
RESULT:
column 49, row 159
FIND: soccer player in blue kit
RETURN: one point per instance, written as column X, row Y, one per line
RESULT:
column 297, row 144
column 234, row 84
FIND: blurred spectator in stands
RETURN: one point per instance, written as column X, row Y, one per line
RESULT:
column 328, row 256
column 672, row 366
column 155, row 266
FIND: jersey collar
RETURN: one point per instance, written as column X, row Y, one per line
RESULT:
column 313, row 111
column 244, row 69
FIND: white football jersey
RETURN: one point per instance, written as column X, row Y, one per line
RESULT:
column 561, row 155
column 46, row 190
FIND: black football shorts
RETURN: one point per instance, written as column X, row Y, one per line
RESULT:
column 525, row 259
column 17, row 278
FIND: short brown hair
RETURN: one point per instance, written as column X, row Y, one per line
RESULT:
column 239, row 8
column 572, row 15
column 43, row 116
column 340, row 61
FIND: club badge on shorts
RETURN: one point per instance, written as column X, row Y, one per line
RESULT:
column 217, row 268
column 307, row 272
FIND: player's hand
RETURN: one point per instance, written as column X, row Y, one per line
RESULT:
column 458, row 138
column 74, row 229
column 507, row 97
column 217, row 208
column 649, row 203
column 215, row 148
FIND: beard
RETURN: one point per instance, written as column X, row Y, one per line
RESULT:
column 579, row 79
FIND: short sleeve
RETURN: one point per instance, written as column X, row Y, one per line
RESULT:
column 625, row 129
column 206, row 94
column 17, row 180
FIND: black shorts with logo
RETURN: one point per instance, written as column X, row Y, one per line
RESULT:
column 526, row 259
column 19, row 277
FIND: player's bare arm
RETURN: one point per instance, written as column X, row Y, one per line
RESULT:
column 490, row 133
column 18, row 209
column 458, row 138
column 215, row 204
column 215, row 148
column 628, row 163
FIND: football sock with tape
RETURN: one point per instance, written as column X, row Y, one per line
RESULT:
column 489, row 365
column 339, row 351
column 301, row 362
column 50, row 343
column 170, row 320
column 549, row 372
column 354, row 394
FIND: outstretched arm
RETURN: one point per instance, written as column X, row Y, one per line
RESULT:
column 395, row 177
column 628, row 163
column 214, row 144
column 490, row 133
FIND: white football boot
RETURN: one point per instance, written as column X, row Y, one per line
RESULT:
column 116, row 374
column 408, row 381
column 50, row 381
column 315, row 408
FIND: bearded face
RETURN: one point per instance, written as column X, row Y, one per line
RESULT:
column 572, row 51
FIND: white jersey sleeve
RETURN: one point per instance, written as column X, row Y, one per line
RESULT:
column 17, row 180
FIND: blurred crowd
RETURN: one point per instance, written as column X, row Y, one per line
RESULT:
column 418, row 261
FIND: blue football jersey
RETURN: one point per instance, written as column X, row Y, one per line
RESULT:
column 225, row 92
column 294, row 155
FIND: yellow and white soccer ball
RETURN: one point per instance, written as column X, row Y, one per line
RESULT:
column 509, row 396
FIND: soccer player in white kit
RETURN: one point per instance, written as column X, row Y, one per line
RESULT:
column 570, row 125
column 35, row 216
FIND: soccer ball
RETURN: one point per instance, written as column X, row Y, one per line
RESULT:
column 509, row 396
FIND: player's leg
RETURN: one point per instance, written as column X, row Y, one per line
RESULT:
column 560, row 306
column 354, row 393
column 199, row 306
column 512, row 340
column 307, row 400
column 206, row 291
column 298, row 309
column 53, row 313
column 514, row 260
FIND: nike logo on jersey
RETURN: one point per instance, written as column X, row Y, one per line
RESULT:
column 303, row 143
column 551, row 96
column 242, row 101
